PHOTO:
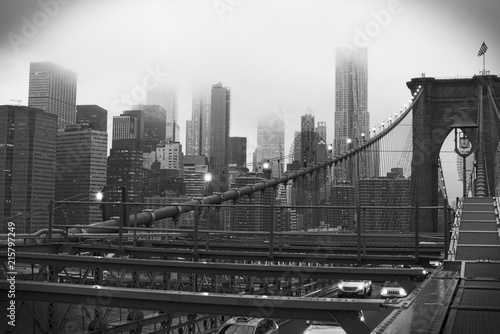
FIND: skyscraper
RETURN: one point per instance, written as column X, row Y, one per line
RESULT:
column 155, row 121
column 252, row 218
column 195, row 169
column 198, row 131
column 219, row 136
column 27, row 166
column 81, row 165
column 308, row 140
column 93, row 115
column 165, row 95
column 351, row 98
column 126, row 158
column 238, row 151
column 270, row 143
column 52, row 88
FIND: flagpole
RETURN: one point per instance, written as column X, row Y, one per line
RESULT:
column 484, row 67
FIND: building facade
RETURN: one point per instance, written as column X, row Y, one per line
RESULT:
column 198, row 129
column 351, row 97
column 166, row 96
column 391, row 191
column 351, row 123
column 220, row 112
column 52, row 88
column 195, row 169
column 238, row 151
column 28, row 165
column 270, row 143
column 253, row 217
column 81, row 173
column 94, row 116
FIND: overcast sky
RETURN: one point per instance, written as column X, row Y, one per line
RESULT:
column 276, row 56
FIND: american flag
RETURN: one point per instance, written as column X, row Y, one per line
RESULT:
column 482, row 50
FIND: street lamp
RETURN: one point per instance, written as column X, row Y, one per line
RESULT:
column 463, row 145
column 207, row 178
column 266, row 169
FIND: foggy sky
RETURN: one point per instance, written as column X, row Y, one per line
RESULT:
column 276, row 56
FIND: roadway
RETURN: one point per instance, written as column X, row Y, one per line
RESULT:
column 372, row 318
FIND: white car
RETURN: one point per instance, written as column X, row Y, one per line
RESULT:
column 327, row 327
column 248, row 325
column 392, row 289
column 355, row 288
column 323, row 327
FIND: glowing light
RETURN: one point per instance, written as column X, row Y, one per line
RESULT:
column 208, row 177
column 99, row 196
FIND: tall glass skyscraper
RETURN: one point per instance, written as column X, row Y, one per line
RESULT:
column 219, row 136
column 52, row 88
column 198, row 128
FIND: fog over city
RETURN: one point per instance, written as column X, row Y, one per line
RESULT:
column 278, row 57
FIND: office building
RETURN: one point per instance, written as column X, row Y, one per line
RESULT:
column 126, row 159
column 256, row 216
column 343, row 196
column 129, row 125
column 169, row 155
column 28, row 165
column 391, row 191
column 195, row 169
column 198, row 128
column 52, row 88
column 270, row 143
column 94, row 116
column 165, row 95
column 155, row 125
column 238, row 151
column 220, row 112
column 81, row 173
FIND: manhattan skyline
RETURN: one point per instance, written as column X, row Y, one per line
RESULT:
column 276, row 56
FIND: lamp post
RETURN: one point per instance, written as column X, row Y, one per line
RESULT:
column 207, row 178
column 348, row 141
column 266, row 169
column 463, row 145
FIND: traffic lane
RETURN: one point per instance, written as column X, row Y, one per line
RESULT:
column 372, row 318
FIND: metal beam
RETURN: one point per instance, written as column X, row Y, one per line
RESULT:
column 256, row 256
column 190, row 302
column 314, row 272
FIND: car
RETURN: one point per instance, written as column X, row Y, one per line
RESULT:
column 392, row 289
column 423, row 272
column 327, row 327
column 355, row 288
column 324, row 327
column 435, row 263
column 249, row 325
